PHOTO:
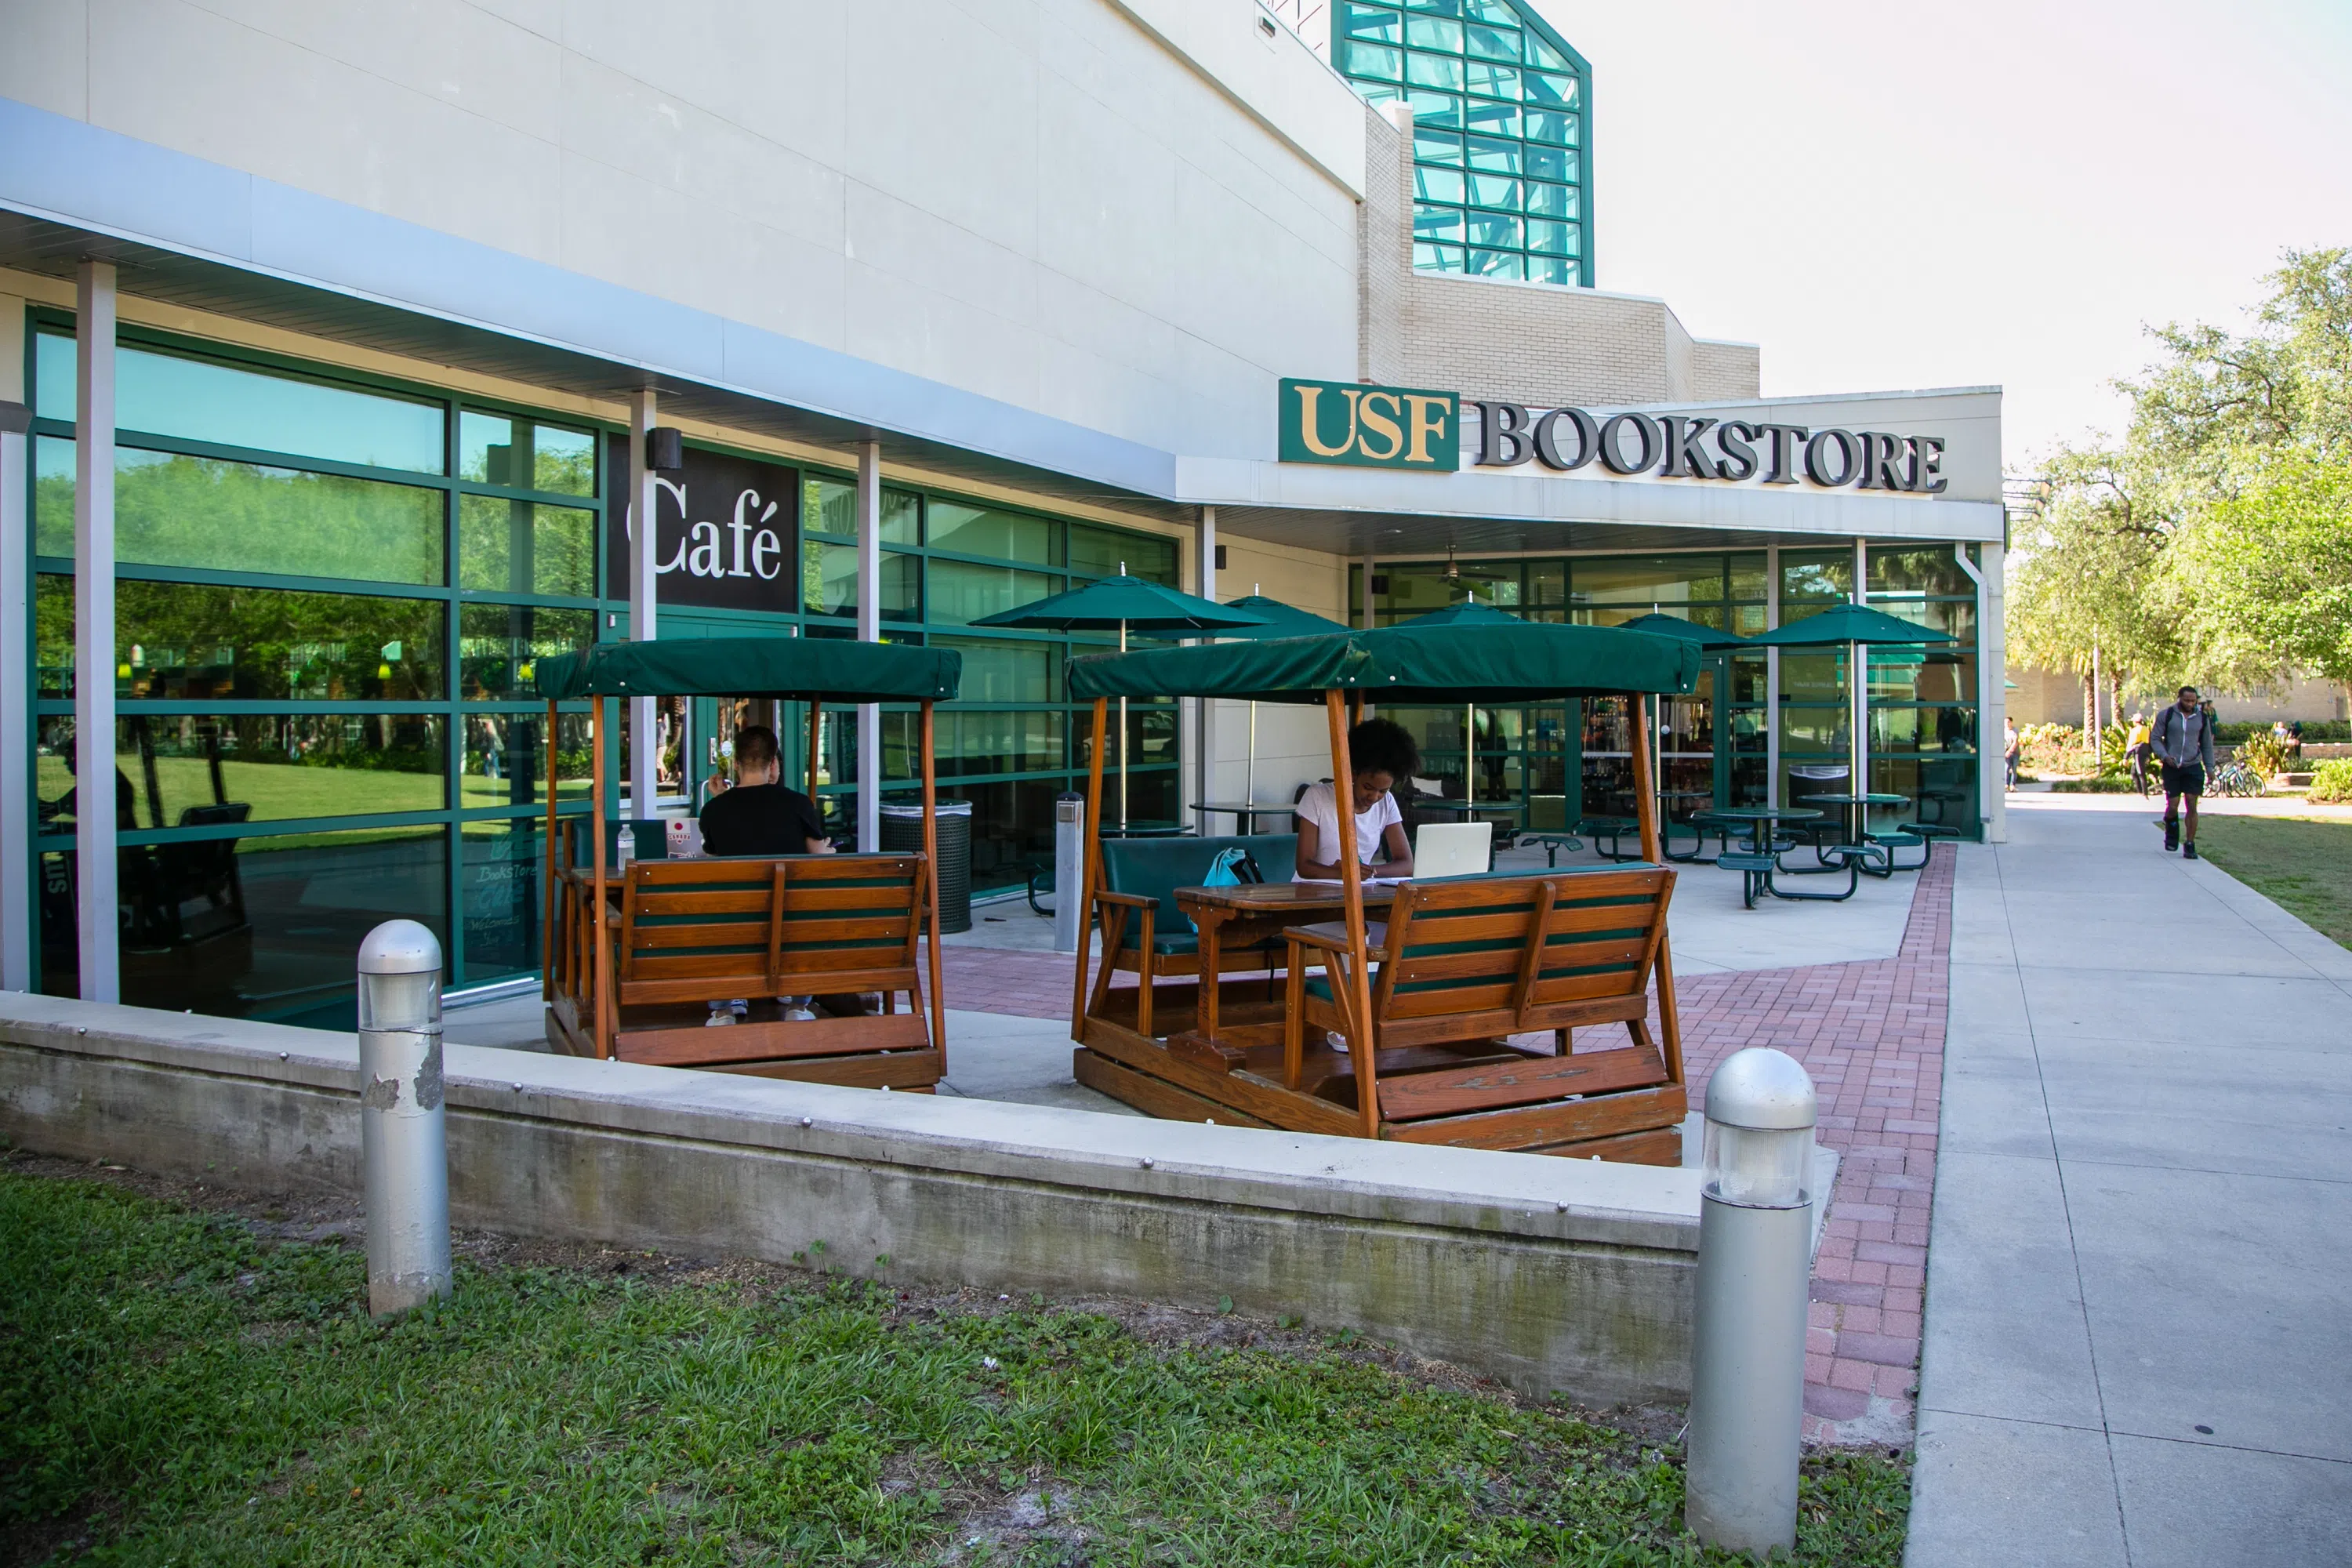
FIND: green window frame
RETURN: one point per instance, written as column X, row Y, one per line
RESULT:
column 1497, row 72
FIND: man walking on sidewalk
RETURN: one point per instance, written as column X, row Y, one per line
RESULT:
column 2183, row 744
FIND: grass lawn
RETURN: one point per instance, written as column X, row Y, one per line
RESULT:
column 2303, row 862
column 180, row 1388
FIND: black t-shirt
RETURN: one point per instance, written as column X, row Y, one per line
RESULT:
column 760, row 819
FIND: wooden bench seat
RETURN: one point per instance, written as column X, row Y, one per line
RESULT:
column 692, row 933
column 1466, row 965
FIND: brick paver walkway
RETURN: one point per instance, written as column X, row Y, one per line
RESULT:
column 1872, row 1035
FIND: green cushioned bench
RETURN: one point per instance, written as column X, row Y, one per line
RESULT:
column 1143, row 932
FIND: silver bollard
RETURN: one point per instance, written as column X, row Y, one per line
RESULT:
column 402, row 1145
column 1747, row 1348
column 1069, row 869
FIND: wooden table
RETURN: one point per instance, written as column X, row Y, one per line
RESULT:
column 1258, row 914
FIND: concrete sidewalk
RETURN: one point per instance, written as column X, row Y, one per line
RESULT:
column 2139, row 1289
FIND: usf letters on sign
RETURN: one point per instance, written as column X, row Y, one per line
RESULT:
column 1371, row 426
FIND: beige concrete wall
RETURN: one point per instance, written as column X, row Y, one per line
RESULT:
column 2056, row 697
column 1553, row 1276
column 1293, row 746
column 1035, row 200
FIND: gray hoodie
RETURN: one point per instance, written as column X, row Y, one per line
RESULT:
column 2177, row 738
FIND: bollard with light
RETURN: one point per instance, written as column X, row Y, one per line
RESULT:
column 1748, row 1346
column 402, row 1145
column 1069, row 870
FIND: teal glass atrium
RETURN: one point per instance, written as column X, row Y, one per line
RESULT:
column 1501, row 112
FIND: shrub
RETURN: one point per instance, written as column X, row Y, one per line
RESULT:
column 2332, row 780
column 2262, row 752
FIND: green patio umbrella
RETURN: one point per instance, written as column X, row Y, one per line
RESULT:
column 1851, row 626
column 1689, row 631
column 1281, row 621
column 1124, row 604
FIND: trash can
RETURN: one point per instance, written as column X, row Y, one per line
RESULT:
column 902, row 831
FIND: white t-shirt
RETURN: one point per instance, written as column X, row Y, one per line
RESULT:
column 1321, row 806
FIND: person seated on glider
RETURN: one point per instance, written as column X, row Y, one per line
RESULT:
column 762, row 816
column 1380, row 753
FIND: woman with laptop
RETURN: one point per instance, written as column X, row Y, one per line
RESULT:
column 1382, row 753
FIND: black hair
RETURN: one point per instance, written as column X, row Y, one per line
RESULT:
column 1383, row 746
column 755, row 747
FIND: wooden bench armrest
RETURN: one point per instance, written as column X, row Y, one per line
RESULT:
column 1125, row 900
column 1331, row 936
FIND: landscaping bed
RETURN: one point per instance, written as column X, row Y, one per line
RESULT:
column 191, row 1377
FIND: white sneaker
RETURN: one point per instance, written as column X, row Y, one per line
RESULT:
column 719, row 1019
column 1336, row 1040
column 799, row 1016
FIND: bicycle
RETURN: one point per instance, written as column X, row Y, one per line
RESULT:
column 2237, row 778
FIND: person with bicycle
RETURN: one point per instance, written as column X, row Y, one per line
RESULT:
column 2183, row 739
column 2135, row 752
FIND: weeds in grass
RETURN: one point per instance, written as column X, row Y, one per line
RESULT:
column 182, row 1391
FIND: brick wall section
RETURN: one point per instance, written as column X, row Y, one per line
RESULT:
column 1872, row 1035
column 1721, row 370
column 1384, row 245
column 1527, row 342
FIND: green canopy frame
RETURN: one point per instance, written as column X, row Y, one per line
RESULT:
column 1468, row 653
column 792, row 669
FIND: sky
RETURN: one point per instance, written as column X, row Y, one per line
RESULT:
column 1998, row 192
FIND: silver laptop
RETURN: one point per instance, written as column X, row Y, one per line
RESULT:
column 1452, row 849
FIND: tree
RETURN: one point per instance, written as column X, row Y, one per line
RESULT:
column 2212, row 544
column 2087, row 551
column 2266, row 575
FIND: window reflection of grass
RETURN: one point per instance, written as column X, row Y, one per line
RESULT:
column 278, row 792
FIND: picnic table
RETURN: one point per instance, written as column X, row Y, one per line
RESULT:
column 1857, row 810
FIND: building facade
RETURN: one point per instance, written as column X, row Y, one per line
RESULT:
column 338, row 335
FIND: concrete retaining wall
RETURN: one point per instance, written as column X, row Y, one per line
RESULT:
column 1550, row 1275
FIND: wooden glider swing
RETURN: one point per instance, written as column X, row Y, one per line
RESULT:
column 1437, row 1001
column 634, row 960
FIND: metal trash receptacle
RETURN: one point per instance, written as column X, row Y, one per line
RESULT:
column 902, row 832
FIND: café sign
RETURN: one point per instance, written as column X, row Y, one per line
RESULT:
column 1400, row 427
column 724, row 531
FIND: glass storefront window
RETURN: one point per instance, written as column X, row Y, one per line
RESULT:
column 498, row 900
column 829, row 506
column 1815, row 574
column 254, row 928
column 1647, row 580
column 1100, row 551
column 984, row 743
column 505, row 760
column 963, row 591
column 1930, row 570
column 519, row 454
column 829, row 582
column 173, row 510
column 499, row 647
column 159, row 393
column 199, row 641
column 526, row 547
column 255, row 767
column 999, row 535
column 1008, row 670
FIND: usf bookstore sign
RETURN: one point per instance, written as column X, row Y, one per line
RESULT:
column 1365, row 425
